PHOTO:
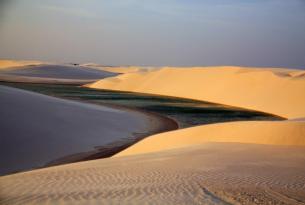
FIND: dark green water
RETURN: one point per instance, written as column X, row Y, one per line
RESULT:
column 186, row 112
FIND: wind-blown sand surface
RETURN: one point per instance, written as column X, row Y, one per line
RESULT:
column 213, row 173
column 37, row 129
column 186, row 166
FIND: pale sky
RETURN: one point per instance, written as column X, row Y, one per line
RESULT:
column 264, row 33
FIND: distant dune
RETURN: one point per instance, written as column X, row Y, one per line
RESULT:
column 115, row 69
column 60, row 72
column 50, row 73
column 6, row 64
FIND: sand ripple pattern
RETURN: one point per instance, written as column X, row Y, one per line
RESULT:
column 214, row 173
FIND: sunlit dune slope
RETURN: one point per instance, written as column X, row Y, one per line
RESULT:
column 277, row 91
column 259, row 132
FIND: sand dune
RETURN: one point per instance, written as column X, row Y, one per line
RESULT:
column 260, row 132
column 117, row 69
column 26, row 79
column 7, row 64
column 214, row 173
column 276, row 91
column 54, row 73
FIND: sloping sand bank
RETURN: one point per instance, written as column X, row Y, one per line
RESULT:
column 276, row 91
column 259, row 132
column 213, row 173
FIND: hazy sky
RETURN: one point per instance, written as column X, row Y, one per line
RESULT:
column 155, row 32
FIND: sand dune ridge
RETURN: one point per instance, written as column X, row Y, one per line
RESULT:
column 273, row 90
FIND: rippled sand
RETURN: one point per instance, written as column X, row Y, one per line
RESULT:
column 213, row 173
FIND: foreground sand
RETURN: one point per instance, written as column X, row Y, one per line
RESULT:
column 214, row 173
